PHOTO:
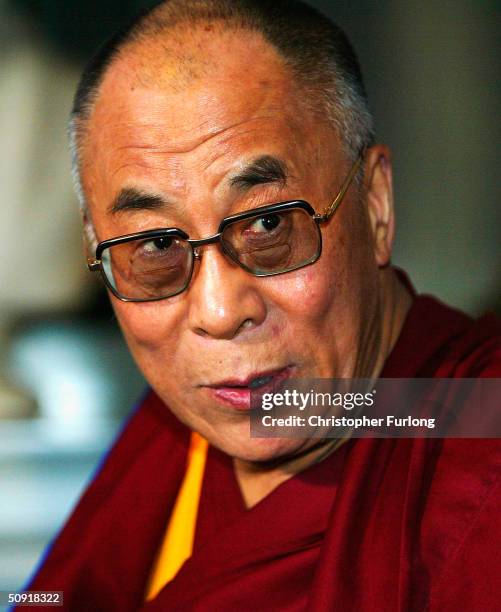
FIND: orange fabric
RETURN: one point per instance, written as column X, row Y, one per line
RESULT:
column 177, row 545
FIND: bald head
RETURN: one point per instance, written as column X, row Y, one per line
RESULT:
column 168, row 44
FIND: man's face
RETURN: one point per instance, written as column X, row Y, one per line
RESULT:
column 185, row 143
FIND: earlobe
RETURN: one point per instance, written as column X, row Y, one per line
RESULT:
column 379, row 196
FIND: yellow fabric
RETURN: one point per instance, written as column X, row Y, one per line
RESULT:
column 177, row 545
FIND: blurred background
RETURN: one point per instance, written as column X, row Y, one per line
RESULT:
column 66, row 379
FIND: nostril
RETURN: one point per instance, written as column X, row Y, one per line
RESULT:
column 245, row 325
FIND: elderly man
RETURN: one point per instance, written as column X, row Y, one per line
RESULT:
column 242, row 219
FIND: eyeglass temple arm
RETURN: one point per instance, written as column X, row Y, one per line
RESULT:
column 93, row 264
column 331, row 209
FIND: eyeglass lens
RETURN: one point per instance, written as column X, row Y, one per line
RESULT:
column 145, row 269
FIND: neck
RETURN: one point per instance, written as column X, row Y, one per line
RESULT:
column 395, row 300
column 256, row 481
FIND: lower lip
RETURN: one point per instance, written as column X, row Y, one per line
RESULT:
column 240, row 397
column 235, row 397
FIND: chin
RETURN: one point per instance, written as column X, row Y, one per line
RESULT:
column 229, row 432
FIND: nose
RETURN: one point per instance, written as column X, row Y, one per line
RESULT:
column 224, row 299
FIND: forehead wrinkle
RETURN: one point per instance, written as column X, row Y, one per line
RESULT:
column 151, row 145
column 222, row 147
column 230, row 133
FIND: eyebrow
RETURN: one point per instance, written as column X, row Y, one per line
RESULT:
column 134, row 199
column 264, row 169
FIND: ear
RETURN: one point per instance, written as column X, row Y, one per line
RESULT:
column 378, row 186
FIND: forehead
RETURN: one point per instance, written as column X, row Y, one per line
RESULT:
column 192, row 89
column 161, row 113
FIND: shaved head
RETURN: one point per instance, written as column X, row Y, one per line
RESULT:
column 167, row 46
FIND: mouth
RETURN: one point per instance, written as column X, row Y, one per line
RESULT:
column 237, row 392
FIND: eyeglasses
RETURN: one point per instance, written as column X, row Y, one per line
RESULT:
column 265, row 241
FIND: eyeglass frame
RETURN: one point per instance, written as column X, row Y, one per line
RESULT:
column 95, row 263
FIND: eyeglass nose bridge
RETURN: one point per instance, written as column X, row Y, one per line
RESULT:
column 197, row 244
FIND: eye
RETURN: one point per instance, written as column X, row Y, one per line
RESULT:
column 156, row 246
column 266, row 224
column 164, row 250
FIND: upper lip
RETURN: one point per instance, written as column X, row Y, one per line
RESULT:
column 244, row 382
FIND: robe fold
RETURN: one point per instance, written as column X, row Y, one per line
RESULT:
column 379, row 525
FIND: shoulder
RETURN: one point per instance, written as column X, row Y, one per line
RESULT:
column 438, row 341
column 461, row 497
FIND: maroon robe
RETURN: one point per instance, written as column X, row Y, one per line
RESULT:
column 379, row 525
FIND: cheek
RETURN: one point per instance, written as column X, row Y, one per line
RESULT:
column 150, row 326
column 332, row 294
column 302, row 301
column 311, row 292
column 318, row 289
column 153, row 333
